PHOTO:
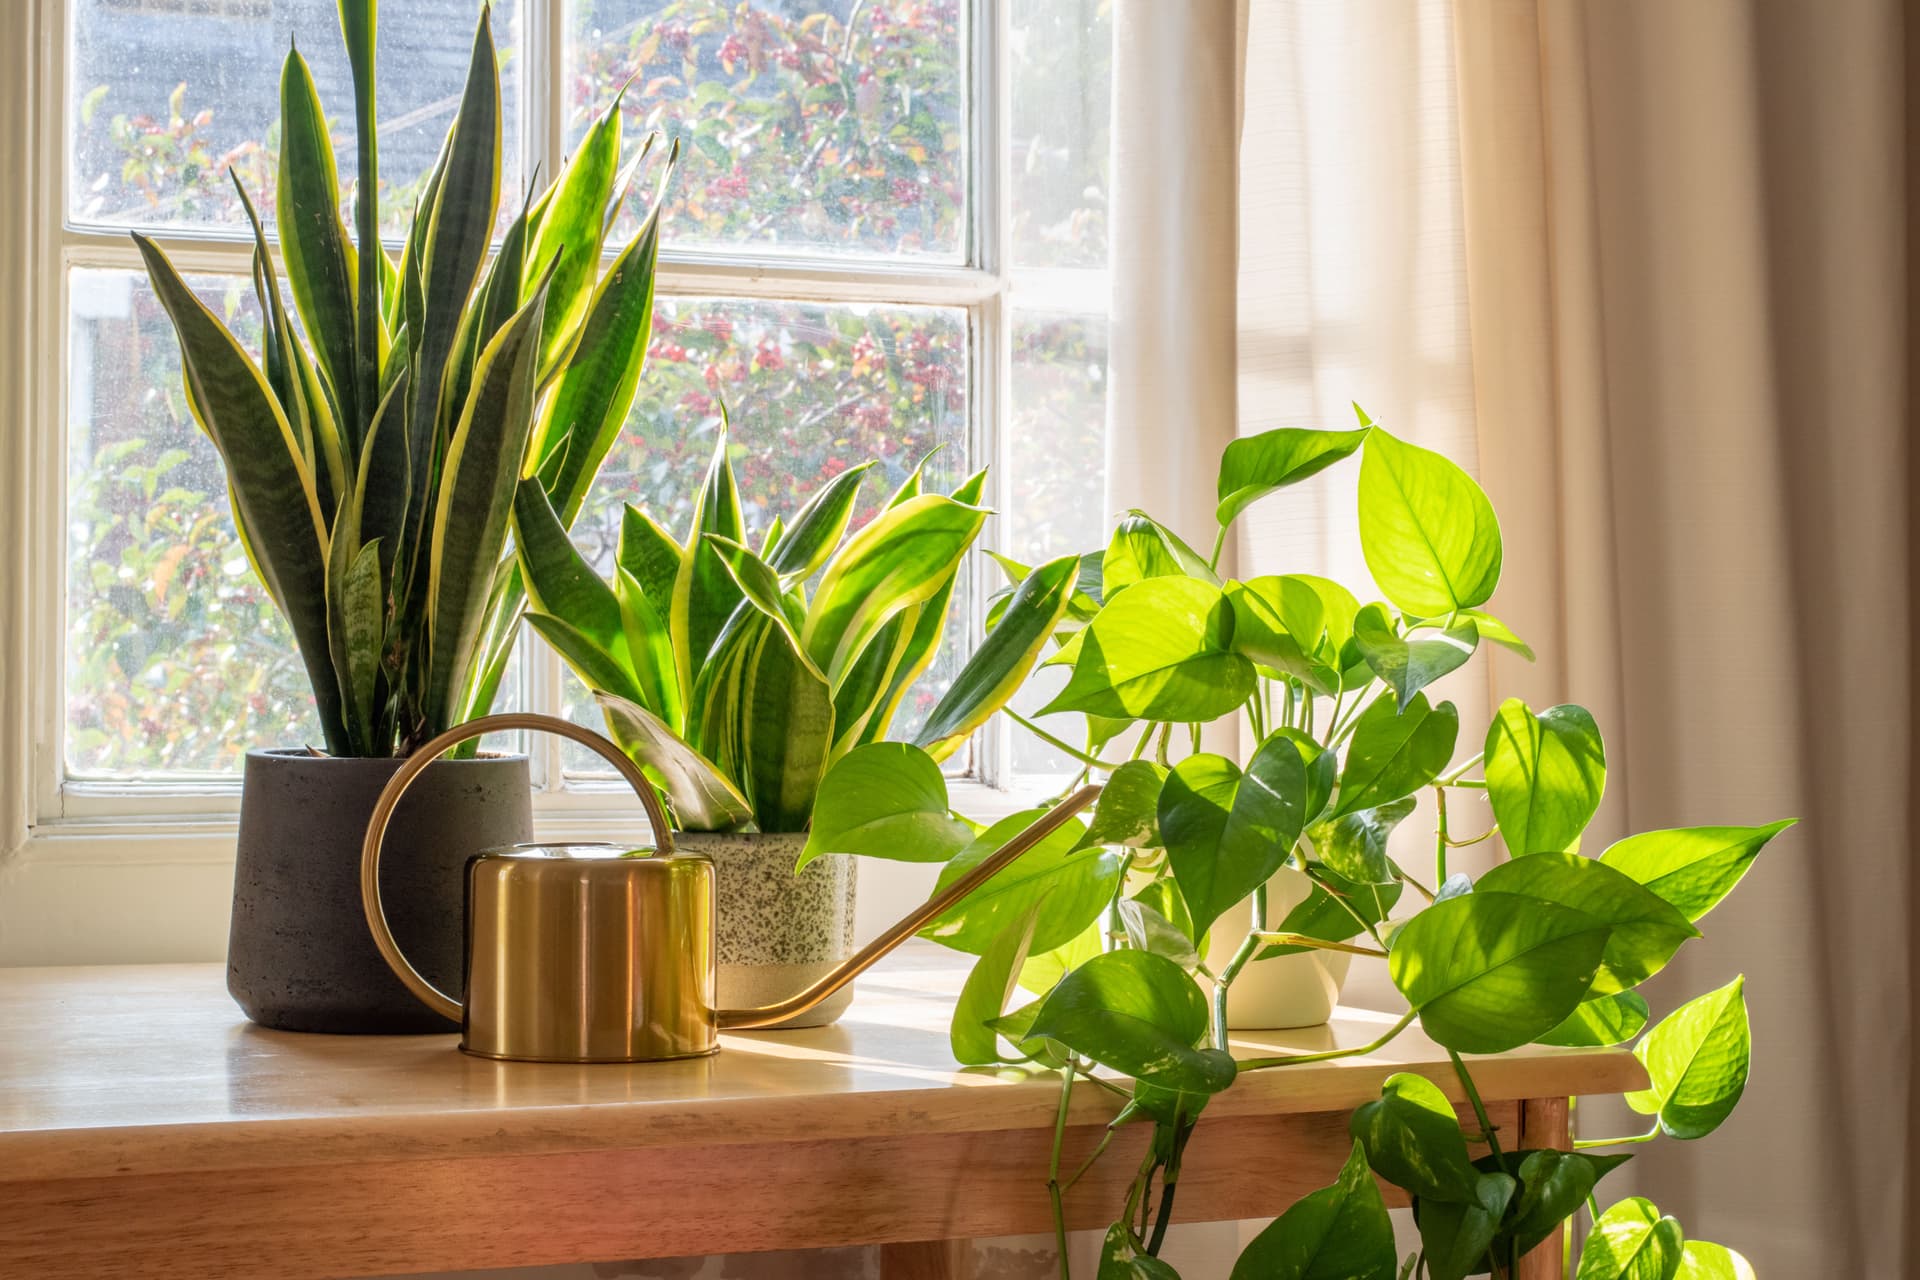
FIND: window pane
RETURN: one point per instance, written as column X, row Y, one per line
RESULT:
column 809, row 125
column 170, row 94
column 810, row 389
column 176, row 659
column 1056, row 492
column 1061, row 70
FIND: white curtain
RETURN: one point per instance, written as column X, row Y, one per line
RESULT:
column 1352, row 282
column 1689, row 261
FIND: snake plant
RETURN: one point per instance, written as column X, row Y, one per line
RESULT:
column 372, row 452
column 734, row 685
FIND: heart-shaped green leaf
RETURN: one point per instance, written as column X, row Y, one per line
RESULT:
column 1140, row 1014
column 1491, row 628
column 1076, row 886
column 1457, row 1234
column 1428, row 532
column 1412, row 1138
column 1395, row 752
column 1647, row 930
column 1697, row 1059
column 1044, row 969
column 1545, row 774
column 1254, row 466
column 1149, row 929
column 885, row 800
column 1158, row 651
column 1281, row 623
column 1341, row 1232
column 1354, row 845
column 1123, row 1257
column 1602, row 1020
column 1127, row 812
column 1491, row 971
column 1409, row 664
column 1142, row 547
column 1631, row 1241
column 987, row 990
column 1553, row 1186
column 1227, row 832
column 1692, row 867
column 1700, row 1260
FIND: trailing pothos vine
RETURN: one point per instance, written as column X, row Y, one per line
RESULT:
column 1106, row 926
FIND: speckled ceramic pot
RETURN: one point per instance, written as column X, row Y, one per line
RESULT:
column 778, row 933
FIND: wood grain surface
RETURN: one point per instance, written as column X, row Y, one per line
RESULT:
column 146, row 1128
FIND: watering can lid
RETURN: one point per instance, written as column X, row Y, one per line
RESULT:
column 582, row 851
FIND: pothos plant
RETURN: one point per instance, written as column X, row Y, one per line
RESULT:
column 736, row 677
column 1104, row 925
column 373, row 452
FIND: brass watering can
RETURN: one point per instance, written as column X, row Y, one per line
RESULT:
column 605, row 953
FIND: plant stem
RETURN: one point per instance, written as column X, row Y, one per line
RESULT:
column 1248, row 945
column 1053, row 1172
column 1160, row 751
column 1088, row 1163
column 1219, row 545
column 1440, row 842
column 1460, row 771
column 1421, row 889
column 1479, row 1108
column 1582, row 1144
column 1057, row 743
column 1469, row 784
column 1327, row 1055
column 1260, row 909
column 1319, row 944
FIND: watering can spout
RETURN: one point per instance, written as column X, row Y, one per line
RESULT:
column 606, row 953
column 918, row 919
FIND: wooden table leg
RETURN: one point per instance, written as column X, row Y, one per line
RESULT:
column 927, row 1260
column 1543, row 1123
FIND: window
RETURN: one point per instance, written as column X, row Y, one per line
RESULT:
column 887, row 237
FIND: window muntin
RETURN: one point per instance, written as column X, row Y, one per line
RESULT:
column 984, row 325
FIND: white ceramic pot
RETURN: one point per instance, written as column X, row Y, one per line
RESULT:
column 777, row 933
column 1299, row 990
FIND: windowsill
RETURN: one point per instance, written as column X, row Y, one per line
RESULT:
column 154, row 886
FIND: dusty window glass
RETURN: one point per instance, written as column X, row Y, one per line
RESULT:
column 806, row 125
column 1056, row 486
column 1061, row 57
column 176, row 658
column 168, row 95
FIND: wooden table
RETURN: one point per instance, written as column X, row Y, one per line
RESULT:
column 147, row 1129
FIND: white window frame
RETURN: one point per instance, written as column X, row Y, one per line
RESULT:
column 47, row 819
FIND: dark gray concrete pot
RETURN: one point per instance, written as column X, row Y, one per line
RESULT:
column 299, row 956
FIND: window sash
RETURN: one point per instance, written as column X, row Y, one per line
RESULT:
column 983, row 287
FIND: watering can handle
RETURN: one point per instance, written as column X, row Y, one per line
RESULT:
column 434, row 998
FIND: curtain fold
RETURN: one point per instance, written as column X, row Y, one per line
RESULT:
column 1686, row 234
